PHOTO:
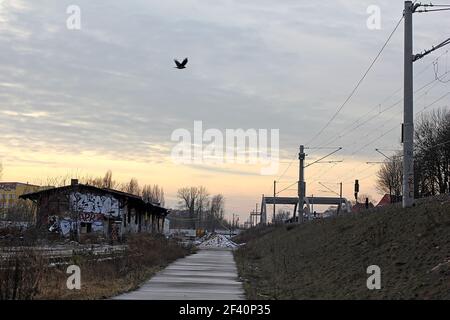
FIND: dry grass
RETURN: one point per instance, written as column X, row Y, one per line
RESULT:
column 146, row 254
column 327, row 259
column 21, row 275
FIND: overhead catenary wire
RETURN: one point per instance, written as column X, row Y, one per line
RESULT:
column 358, row 83
column 375, row 173
column 393, row 128
column 287, row 168
column 331, row 153
column 359, row 124
column 396, row 126
column 432, row 10
column 351, row 94
column 394, row 115
column 286, row 188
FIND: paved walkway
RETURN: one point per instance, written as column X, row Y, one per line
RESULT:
column 210, row 274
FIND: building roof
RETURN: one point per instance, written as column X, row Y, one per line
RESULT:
column 18, row 183
column 387, row 199
column 120, row 194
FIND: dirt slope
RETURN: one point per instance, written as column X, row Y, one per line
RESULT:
column 328, row 259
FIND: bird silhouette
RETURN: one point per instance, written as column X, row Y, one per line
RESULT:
column 181, row 65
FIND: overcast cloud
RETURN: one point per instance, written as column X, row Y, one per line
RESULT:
column 111, row 86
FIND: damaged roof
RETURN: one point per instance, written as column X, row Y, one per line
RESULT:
column 79, row 187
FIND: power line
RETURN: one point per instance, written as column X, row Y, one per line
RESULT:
column 358, row 125
column 427, row 148
column 322, row 173
column 436, row 70
column 376, row 139
column 435, row 5
column 331, row 153
column 433, row 103
column 432, row 10
column 287, row 187
column 394, row 115
column 287, row 168
column 359, row 82
column 396, row 126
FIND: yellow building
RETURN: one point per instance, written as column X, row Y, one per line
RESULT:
column 10, row 192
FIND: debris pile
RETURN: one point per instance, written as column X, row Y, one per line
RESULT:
column 216, row 241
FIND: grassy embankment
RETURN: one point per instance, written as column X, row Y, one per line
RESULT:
column 328, row 259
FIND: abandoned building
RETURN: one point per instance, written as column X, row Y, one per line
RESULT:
column 79, row 210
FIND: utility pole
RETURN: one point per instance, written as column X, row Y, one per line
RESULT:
column 274, row 195
column 408, row 115
column 356, row 190
column 340, row 197
column 301, row 183
column 232, row 227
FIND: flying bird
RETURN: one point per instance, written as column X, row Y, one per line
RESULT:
column 181, row 65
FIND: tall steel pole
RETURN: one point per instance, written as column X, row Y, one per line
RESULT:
column 408, row 116
column 274, row 195
column 340, row 198
column 301, row 183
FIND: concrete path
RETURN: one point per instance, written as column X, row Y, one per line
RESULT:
column 210, row 274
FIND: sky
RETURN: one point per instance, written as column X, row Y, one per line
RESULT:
column 107, row 95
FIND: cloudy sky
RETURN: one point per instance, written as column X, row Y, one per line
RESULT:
column 107, row 96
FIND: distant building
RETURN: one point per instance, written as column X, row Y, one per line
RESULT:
column 80, row 210
column 359, row 207
column 10, row 193
column 388, row 199
column 384, row 201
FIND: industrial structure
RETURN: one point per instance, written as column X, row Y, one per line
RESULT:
column 79, row 210
column 10, row 193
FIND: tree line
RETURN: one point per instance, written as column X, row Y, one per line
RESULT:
column 203, row 211
column 149, row 192
column 431, row 159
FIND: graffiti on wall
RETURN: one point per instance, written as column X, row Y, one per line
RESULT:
column 94, row 204
column 90, row 217
column 62, row 226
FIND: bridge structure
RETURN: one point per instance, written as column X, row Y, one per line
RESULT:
column 308, row 204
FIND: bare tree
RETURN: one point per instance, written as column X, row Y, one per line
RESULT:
column 92, row 181
column 432, row 134
column 107, row 180
column 193, row 199
column 431, row 158
column 57, row 181
column 390, row 177
column 282, row 216
column 362, row 198
column 153, row 194
column 215, row 214
column 132, row 187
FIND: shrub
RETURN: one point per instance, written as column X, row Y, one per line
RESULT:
column 21, row 273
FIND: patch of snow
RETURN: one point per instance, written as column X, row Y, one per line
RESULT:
column 216, row 241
